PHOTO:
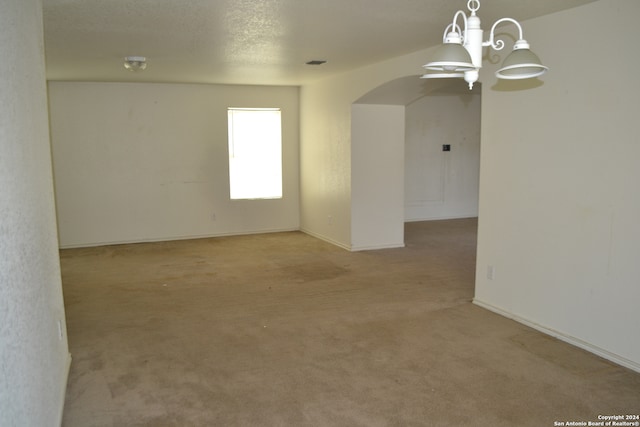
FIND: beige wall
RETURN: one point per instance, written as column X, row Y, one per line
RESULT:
column 559, row 199
column 34, row 356
column 325, row 146
column 331, row 206
column 325, row 163
column 438, row 184
column 141, row 162
column 558, row 203
column 377, row 176
column 558, row 174
column 398, row 169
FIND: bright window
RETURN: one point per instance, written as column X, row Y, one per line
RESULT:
column 255, row 153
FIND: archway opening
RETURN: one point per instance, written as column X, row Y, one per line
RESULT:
column 437, row 139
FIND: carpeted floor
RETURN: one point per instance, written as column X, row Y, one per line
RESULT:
column 286, row 330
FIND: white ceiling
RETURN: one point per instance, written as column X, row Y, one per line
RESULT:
column 250, row 41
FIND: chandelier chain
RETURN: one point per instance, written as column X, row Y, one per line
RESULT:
column 473, row 6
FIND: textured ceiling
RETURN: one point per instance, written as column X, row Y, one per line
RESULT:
column 249, row 41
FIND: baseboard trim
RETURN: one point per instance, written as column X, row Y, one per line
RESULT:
column 612, row 357
column 441, row 218
column 352, row 248
column 174, row 238
column 377, row 247
column 326, row 239
column 64, row 389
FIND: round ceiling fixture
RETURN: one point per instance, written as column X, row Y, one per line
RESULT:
column 135, row 63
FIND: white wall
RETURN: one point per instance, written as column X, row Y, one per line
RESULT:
column 34, row 357
column 377, row 171
column 326, row 152
column 440, row 184
column 558, row 175
column 559, row 199
column 325, row 163
column 141, row 162
column 326, row 157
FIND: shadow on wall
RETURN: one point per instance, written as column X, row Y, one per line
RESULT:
column 406, row 90
column 516, row 85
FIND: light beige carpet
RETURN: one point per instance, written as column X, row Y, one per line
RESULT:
column 286, row 330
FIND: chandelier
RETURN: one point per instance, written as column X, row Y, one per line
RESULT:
column 460, row 55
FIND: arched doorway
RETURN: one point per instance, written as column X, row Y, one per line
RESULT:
column 439, row 146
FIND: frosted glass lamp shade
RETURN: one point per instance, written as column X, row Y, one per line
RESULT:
column 442, row 75
column 462, row 51
column 450, row 57
column 521, row 64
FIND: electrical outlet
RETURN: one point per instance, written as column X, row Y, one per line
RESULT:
column 330, row 219
column 491, row 272
column 213, row 216
column 60, row 331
